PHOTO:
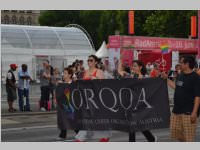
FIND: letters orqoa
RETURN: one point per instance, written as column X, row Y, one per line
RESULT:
column 112, row 104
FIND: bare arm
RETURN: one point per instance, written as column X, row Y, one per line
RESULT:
column 120, row 68
column 171, row 84
column 46, row 75
column 100, row 75
column 195, row 109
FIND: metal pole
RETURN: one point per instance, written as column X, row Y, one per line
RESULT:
column 198, row 38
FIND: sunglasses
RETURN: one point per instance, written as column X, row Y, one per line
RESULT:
column 90, row 60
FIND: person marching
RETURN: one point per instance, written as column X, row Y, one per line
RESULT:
column 185, row 113
column 61, row 120
column 55, row 78
column 91, row 74
column 138, row 70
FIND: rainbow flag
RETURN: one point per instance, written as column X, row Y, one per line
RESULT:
column 164, row 48
column 68, row 106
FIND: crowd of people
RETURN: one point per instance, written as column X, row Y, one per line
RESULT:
column 185, row 79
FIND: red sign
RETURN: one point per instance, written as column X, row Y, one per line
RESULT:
column 149, row 43
column 127, row 57
column 164, row 61
column 114, row 41
column 127, row 41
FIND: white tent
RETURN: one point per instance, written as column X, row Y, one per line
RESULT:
column 32, row 45
column 103, row 51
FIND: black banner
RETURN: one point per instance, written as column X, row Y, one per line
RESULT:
column 126, row 104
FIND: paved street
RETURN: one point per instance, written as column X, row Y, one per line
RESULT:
column 41, row 127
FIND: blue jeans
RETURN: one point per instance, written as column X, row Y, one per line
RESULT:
column 23, row 93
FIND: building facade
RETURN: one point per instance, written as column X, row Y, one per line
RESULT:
column 20, row 17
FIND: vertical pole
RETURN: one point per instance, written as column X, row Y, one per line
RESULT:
column 199, row 35
column 131, row 22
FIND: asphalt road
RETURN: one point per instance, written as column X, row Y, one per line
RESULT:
column 41, row 127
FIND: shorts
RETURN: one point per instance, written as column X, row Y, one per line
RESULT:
column 181, row 127
column 11, row 94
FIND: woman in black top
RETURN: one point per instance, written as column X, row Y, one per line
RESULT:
column 139, row 71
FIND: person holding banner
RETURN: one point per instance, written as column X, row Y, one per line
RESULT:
column 197, row 69
column 61, row 120
column 91, row 74
column 186, row 108
column 138, row 70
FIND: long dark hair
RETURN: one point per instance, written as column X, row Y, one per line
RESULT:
column 141, row 64
column 96, row 59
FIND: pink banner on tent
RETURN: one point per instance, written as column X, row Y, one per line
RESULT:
column 114, row 42
column 127, row 41
column 149, row 43
column 127, row 57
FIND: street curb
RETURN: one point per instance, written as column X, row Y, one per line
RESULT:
column 28, row 113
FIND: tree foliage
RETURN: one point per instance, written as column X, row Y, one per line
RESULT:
column 102, row 23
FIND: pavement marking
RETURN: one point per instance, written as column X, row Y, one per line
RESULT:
column 8, row 121
column 27, row 128
column 28, row 113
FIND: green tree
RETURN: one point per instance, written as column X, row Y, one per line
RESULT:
column 102, row 23
column 90, row 20
column 59, row 18
column 170, row 23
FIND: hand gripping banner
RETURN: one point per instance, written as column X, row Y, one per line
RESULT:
column 113, row 104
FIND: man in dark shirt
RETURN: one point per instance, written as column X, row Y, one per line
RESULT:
column 11, row 87
column 185, row 113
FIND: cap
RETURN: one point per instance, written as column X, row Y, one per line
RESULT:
column 13, row 65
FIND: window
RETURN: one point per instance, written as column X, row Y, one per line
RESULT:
column 21, row 20
column 22, row 11
column 6, row 19
column 13, row 10
column 29, row 21
column 29, row 11
column 14, row 20
column 2, row 20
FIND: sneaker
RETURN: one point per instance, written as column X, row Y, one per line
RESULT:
column 43, row 109
column 78, row 141
column 14, row 109
column 104, row 140
column 156, row 138
column 10, row 110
